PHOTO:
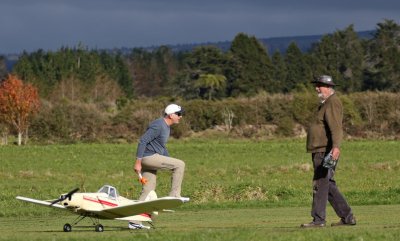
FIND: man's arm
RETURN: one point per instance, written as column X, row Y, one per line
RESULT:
column 150, row 134
column 334, row 119
column 147, row 137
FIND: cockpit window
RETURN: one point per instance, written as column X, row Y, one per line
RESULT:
column 112, row 193
column 110, row 190
column 103, row 189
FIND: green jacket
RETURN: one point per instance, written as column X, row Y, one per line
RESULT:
column 326, row 130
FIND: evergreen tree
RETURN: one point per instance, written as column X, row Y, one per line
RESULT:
column 352, row 60
column 152, row 71
column 298, row 71
column 206, row 59
column 116, row 67
column 201, row 62
column 166, row 67
column 252, row 66
column 139, row 62
column 123, row 76
column 383, row 72
column 279, row 75
column 341, row 56
column 72, row 73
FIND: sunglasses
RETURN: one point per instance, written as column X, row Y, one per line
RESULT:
column 178, row 113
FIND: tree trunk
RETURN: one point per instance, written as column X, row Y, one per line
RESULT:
column 19, row 138
column 26, row 136
column 4, row 139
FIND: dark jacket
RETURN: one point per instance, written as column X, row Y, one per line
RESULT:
column 326, row 130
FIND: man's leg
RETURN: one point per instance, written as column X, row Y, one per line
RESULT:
column 156, row 162
column 151, row 176
column 339, row 203
column 320, row 189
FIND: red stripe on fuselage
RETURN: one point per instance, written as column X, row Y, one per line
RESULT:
column 100, row 201
column 145, row 215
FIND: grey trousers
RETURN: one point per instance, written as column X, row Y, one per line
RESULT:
column 324, row 190
column 150, row 166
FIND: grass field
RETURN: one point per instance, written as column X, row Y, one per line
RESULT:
column 240, row 190
column 378, row 222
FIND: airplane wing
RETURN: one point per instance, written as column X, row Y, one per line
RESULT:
column 40, row 202
column 140, row 207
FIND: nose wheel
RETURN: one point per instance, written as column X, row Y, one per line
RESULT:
column 99, row 228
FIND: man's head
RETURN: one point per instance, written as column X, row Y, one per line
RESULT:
column 173, row 113
column 324, row 86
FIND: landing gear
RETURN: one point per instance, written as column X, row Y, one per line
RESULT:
column 99, row 228
column 67, row 227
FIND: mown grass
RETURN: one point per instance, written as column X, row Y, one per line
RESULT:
column 222, row 176
column 379, row 222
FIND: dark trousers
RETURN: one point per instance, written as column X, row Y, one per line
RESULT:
column 324, row 190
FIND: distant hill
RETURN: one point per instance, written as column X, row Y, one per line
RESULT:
column 11, row 59
column 271, row 44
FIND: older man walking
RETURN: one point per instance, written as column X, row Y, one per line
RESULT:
column 323, row 142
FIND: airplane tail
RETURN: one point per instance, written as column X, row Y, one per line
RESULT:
column 151, row 196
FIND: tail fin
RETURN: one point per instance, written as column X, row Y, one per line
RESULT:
column 151, row 196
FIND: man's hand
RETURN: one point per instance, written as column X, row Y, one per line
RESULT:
column 330, row 160
column 335, row 153
column 138, row 170
column 138, row 166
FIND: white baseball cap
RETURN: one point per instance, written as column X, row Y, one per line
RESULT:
column 173, row 108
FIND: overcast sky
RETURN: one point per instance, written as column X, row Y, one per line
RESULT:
column 50, row 24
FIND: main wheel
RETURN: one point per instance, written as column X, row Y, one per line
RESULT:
column 99, row 228
column 67, row 227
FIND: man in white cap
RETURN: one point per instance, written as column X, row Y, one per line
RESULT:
column 152, row 154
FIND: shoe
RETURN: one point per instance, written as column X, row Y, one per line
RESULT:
column 137, row 226
column 312, row 225
column 342, row 223
column 185, row 199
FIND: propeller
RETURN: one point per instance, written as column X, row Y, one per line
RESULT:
column 65, row 196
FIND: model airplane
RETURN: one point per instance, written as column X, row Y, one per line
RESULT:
column 107, row 204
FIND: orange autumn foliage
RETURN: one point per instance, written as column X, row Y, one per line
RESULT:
column 18, row 102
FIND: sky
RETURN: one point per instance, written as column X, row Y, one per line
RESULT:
column 51, row 24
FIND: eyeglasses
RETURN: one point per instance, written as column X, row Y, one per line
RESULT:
column 178, row 113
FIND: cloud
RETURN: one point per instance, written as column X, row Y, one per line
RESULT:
column 50, row 24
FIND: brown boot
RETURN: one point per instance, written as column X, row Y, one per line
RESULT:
column 312, row 225
column 343, row 223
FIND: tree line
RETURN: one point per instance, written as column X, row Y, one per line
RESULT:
column 207, row 72
column 91, row 95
